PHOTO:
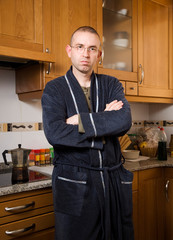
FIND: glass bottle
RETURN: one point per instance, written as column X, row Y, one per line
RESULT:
column 162, row 152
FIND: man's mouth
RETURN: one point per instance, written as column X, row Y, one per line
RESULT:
column 84, row 62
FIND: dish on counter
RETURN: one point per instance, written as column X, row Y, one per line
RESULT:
column 130, row 154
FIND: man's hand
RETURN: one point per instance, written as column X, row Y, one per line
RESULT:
column 73, row 120
column 114, row 105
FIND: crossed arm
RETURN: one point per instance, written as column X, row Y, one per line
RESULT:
column 114, row 105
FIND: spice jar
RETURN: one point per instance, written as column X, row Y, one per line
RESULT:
column 51, row 155
column 47, row 156
column 37, row 157
column 42, row 157
column 32, row 158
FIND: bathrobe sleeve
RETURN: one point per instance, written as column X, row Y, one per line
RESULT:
column 107, row 123
column 57, row 132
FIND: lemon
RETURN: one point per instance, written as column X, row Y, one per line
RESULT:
column 143, row 144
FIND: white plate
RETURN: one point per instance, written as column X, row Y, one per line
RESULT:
column 140, row 158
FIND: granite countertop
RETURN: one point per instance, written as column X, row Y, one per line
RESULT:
column 130, row 165
column 146, row 164
column 17, row 188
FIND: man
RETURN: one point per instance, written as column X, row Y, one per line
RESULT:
column 83, row 115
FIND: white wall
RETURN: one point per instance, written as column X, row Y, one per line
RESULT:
column 13, row 110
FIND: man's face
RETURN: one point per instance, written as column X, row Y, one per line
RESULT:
column 84, row 51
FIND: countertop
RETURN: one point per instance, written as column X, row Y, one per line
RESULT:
column 130, row 165
column 17, row 188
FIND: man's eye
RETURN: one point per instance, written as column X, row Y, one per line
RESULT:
column 79, row 47
column 93, row 49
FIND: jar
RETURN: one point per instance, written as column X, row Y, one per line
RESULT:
column 51, row 155
column 37, row 157
column 42, row 157
column 47, row 156
column 32, row 158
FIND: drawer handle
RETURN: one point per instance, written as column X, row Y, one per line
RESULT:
column 18, row 231
column 20, row 207
column 132, row 88
column 166, row 190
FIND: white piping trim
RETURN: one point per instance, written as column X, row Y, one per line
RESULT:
column 97, row 96
column 71, row 180
column 93, row 124
column 101, row 173
column 74, row 100
column 123, row 182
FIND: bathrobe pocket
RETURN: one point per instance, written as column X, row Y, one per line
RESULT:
column 70, row 190
column 126, row 179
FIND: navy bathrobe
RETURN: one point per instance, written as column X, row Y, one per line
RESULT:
column 92, row 190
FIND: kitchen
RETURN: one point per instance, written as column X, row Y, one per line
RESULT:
column 28, row 113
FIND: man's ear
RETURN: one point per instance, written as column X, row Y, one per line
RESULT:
column 99, row 54
column 68, row 50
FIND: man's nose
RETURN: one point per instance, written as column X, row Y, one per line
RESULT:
column 86, row 52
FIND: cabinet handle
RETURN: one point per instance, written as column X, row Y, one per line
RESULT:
column 47, row 50
column 19, row 207
column 166, row 190
column 103, row 3
column 18, row 231
column 132, row 88
column 49, row 68
column 142, row 73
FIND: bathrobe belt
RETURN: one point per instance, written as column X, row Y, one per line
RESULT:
column 105, row 213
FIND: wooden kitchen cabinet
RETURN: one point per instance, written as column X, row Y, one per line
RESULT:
column 169, row 203
column 24, row 29
column 155, row 48
column 151, row 204
column 60, row 28
column 151, row 47
column 37, row 216
column 135, row 205
column 68, row 16
column 118, row 31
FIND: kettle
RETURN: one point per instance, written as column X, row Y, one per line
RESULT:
column 19, row 156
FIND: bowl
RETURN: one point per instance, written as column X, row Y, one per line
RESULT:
column 122, row 11
column 131, row 154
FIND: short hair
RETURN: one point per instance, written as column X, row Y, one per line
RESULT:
column 84, row 29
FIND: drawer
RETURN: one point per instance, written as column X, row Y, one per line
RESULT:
column 31, row 225
column 22, row 205
column 131, row 88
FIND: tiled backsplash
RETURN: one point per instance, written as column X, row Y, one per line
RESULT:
column 153, row 123
column 21, row 127
column 37, row 126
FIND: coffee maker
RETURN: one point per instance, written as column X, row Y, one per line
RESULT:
column 19, row 164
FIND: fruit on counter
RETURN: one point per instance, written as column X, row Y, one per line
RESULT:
column 143, row 144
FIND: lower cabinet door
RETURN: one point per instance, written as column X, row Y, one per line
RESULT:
column 151, row 204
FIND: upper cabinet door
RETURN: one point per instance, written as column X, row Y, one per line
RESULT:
column 21, row 30
column 155, row 48
column 68, row 16
column 119, row 36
